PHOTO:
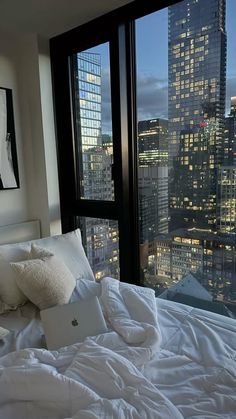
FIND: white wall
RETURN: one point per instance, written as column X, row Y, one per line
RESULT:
column 25, row 68
column 13, row 203
column 49, row 136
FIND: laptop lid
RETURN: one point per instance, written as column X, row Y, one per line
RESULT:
column 70, row 323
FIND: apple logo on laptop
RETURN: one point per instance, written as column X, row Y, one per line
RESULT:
column 74, row 322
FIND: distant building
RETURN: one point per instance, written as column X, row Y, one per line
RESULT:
column 193, row 190
column 102, row 247
column 177, row 256
column 229, row 148
column 196, row 98
column 153, row 184
column 226, row 199
column 153, row 202
column 107, row 144
column 153, row 142
column 211, row 255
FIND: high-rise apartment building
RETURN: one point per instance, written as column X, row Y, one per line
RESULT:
column 87, row 68
column 196, row 94
column 226, row 176
column 153, row 142
column 193, row 190
column 229, row 148
column 226, row 199
column 153, row 202
column 153, row 184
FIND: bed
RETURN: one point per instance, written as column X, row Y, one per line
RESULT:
column 159, row 359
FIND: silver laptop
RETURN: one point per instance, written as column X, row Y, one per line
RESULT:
column 70, row 323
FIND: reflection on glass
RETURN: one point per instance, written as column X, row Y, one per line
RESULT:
column 101, row 242
column 187, row 153
column 92, row 102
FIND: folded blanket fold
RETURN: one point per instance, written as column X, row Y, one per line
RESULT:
column 124, row 306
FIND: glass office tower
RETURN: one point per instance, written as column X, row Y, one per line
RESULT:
column 88, row 124
column 196, row 94
column 153, row 187
column 226, row 199
column 153, row 142
column 229, row 154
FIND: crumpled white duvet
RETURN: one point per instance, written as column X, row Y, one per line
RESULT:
column 99, row 378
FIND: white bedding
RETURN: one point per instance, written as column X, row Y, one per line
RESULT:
column 25, row 329
column 191, row 373
column 196, row 365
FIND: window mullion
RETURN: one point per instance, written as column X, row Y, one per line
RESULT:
column 123, row 106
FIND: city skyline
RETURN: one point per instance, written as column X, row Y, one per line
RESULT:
column 152, row 66
column 186, row 177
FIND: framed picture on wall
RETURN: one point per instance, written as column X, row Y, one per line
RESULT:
column 9, row 175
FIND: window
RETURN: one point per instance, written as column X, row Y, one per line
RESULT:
column 93, row 126
column 101, row 242
column 146, row 140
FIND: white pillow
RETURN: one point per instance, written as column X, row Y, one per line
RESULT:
column 46, row 282
column 67, row 247
column 10, row 294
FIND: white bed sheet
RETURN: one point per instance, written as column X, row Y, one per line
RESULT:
column 195, row 367
column 25, row 329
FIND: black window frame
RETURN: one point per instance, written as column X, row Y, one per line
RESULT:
column 117, row 28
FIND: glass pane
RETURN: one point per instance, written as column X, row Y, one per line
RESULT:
column 93, row 130
column 186, row 89
column 101, row 242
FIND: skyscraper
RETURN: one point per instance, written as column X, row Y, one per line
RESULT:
column 153, row 183
column 229, row 149
column 153, row 202
column 226, row 176
column 153, row 177
column 193, row 190
column 196, row 93
column 153, row 142
column 226, row 199
column 87, row 67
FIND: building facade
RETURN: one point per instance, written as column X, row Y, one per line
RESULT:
column 210, row 256
column 153, row 185
column 153, row 142
column 229, row 149
column 226, row 199
column 196, row 105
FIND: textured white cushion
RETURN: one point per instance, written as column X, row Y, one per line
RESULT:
column 10, row 294
column 38, row 252
column 67, row 247
column 46, row 282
